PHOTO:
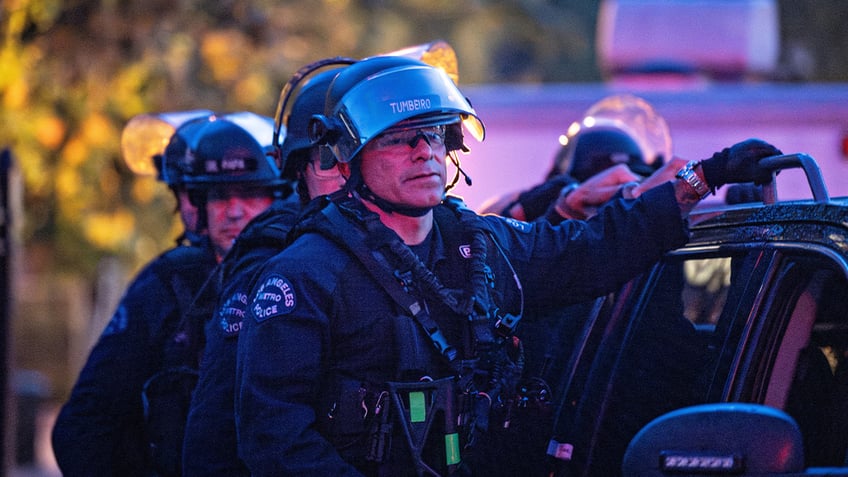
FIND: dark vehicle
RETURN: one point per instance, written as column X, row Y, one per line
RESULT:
column 754, row 309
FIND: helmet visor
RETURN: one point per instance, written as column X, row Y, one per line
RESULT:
column 397, row 95
column 146, row 136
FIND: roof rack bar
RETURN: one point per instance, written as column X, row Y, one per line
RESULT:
column 789, row 161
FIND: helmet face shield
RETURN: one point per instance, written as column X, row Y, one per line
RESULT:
column 422, row 94
column 145, row 138
column 619, row 129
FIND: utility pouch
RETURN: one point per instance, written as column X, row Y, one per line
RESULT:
column 343, row 417
column 380, row 434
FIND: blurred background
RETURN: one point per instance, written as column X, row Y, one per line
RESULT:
column 77, row 223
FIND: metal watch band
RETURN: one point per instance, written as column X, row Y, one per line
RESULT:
column 688, row 174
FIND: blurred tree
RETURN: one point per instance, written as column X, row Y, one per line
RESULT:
column 74, row 72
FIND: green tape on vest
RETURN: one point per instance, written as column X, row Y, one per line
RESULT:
column 417, row 409
column 452, row 449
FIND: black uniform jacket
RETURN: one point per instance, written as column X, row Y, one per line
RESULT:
column 317, row 318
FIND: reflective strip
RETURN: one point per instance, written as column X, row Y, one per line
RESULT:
column 417, row 409
column 452, row 449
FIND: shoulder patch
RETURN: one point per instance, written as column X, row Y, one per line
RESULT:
column 231, row 314
column 519, row 225
column 274, row 297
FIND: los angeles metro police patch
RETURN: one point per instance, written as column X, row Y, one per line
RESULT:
column 231, row 314
column 274, row 297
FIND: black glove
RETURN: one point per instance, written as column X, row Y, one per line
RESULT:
column 537, row 200
column 739, row 163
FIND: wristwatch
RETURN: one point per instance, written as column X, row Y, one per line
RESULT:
column 688, row 174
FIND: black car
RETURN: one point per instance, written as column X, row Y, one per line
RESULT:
column 754, row 309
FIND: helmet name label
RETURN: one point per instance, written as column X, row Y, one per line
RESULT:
column 233, row 164
column 417, row 104
column 230, row 165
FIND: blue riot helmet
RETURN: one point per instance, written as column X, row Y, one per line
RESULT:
column 371, row 96
column 234, row 149
column 618, row 129
column 592, row 150
column 296, row 151
column 308, row 101
column 176, row 162
column 157, row 144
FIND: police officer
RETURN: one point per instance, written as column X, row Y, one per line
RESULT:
column 379, row 340
column 620, row 132
column 620, row 146
column 210, row 437
column 172, row 170
column 113, row 423
column 99, row 429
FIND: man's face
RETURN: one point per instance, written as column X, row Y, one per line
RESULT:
column 229, row 209
column 407, row 166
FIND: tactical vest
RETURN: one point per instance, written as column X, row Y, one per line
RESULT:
column 486, row 367
column 183, row 269
column 167, row 395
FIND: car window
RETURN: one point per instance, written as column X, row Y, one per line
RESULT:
column 715, row 295
column 806, row 366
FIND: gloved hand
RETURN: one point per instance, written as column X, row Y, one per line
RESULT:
column 537, row 200
column 739, row 163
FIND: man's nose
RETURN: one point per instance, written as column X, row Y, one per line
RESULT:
column 235, row 207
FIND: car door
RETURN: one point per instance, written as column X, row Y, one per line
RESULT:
column 658, row 347
column 749, row 323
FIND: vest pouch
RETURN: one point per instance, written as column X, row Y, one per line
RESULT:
column 346, row 414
